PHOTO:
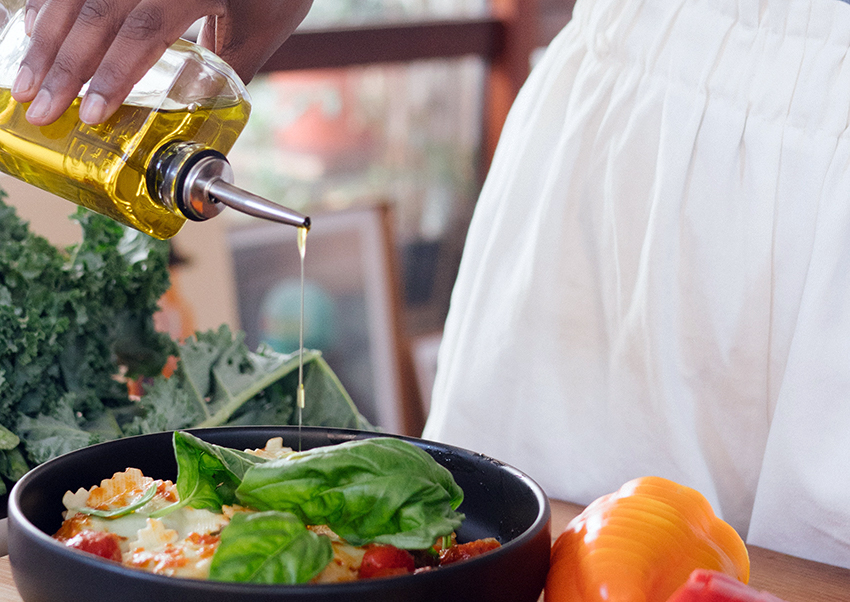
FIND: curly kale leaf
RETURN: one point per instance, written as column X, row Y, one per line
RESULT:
column 219, row 381
column 47, row 436
column 120, row 274
column 33, row 320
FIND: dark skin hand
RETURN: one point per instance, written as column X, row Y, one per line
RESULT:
column 115, row 42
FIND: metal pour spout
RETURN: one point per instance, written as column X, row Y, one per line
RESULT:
column 254, row 205
column 198, row 181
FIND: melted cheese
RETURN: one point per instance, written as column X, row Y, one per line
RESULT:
column 345, row 564
column 161, row 550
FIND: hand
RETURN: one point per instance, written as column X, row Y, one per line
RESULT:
column 114, row 43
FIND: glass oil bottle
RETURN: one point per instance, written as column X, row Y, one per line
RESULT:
column 158, row 161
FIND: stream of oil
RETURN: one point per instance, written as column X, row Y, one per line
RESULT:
column 302, row 250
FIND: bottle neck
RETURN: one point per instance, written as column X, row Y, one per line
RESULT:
column 173, row 173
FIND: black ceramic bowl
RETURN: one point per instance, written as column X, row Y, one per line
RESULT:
column 499, row 501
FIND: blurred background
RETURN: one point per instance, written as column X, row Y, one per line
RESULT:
column 378, row 118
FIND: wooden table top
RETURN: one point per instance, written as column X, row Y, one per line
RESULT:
column 791, row 579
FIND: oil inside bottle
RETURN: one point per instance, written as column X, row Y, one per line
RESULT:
column 302, row 250
column 102, row 167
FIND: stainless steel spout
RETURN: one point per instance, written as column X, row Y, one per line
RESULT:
column 256, row 206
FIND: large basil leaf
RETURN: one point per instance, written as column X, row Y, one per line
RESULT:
column 269, row 547
column 381, row 490
column 207, row 474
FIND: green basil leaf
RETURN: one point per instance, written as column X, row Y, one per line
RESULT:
column 382, row 490
column 269, row 547
column 115, row 513
column 207, row 474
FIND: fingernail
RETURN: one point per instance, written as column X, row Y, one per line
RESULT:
column 40, row 106
column 92, row 109
column 23, row 81
column 29, row 21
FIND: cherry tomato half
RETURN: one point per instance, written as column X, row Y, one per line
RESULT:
column 385, row 561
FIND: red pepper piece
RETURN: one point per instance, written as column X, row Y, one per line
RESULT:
column 465, row 551
column 713, row 586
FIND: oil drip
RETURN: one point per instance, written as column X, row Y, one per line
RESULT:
column 300, row 397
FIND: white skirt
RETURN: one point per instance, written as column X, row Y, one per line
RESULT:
column 657, row 276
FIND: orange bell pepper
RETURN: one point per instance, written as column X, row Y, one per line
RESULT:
column 640, row 544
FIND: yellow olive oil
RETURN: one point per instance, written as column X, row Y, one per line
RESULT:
column 103, row 167
column 302, row 250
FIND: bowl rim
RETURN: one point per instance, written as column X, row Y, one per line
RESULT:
column 17, row 519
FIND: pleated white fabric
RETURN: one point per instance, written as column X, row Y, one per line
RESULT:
column 657, row 276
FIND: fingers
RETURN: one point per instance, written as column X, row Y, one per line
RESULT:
column 47, row 37
column 147, row 31
column 66, row 47
column 31, row 12
column 112, row 43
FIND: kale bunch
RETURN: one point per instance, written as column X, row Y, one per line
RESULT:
column 71, row 322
